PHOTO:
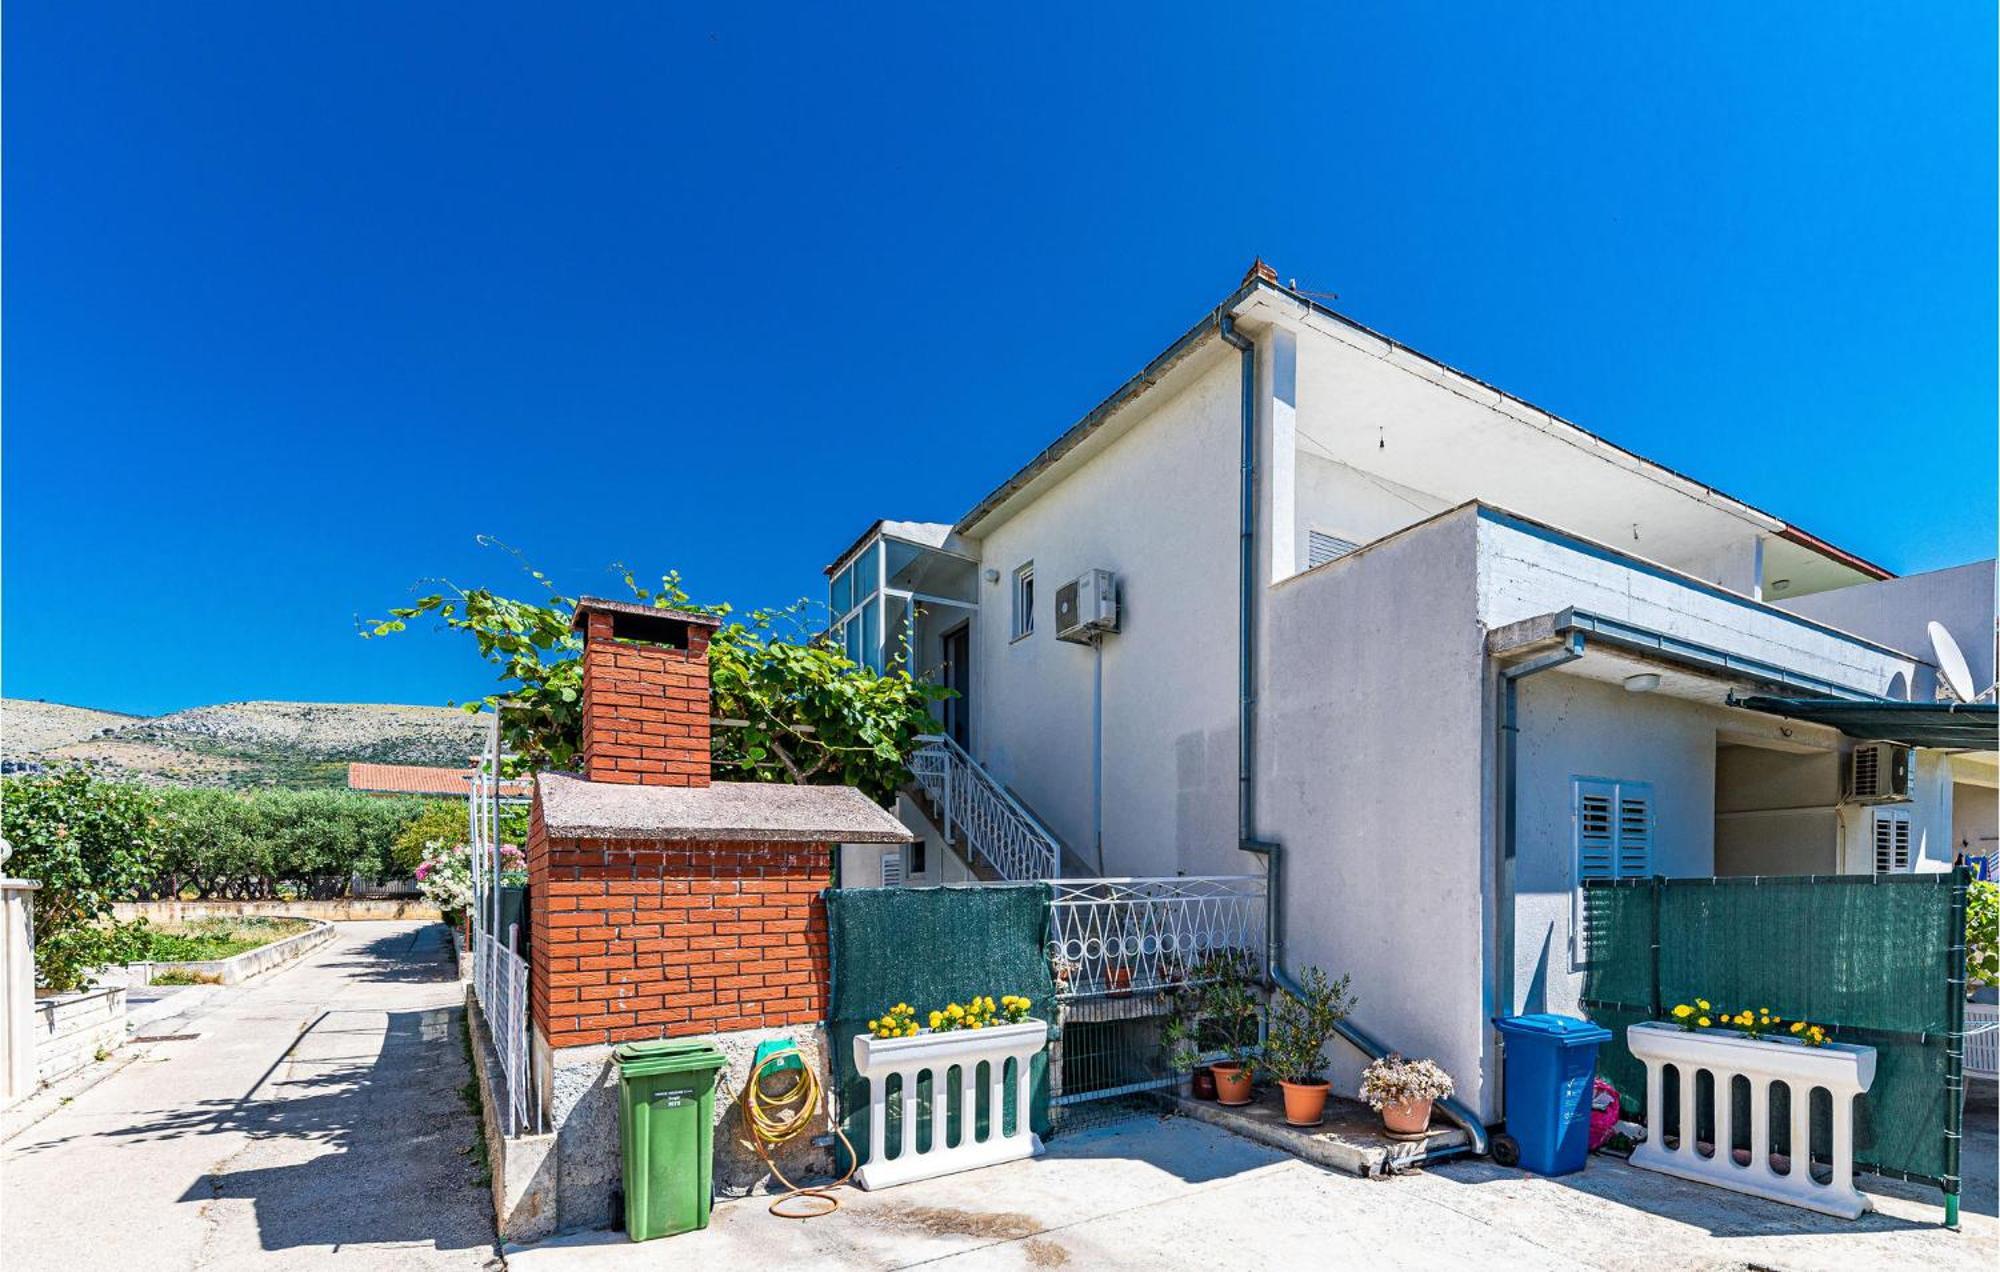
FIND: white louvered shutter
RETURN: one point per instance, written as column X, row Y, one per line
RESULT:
column 1322, row 547
column 1892, row 842
column 892, row 868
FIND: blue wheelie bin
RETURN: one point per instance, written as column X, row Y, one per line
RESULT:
column 1551, row 1066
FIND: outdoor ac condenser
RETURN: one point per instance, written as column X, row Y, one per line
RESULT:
column 1878, row 772
column 1087, row 607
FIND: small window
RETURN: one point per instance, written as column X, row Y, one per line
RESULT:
column 1612, row 828
column 1024, row 600
column 1892, row 841
column 1322, row 546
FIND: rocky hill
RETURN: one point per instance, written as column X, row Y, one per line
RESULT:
column 292, row 744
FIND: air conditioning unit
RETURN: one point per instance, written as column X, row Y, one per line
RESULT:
column 1087, row 607
column 1878, row 772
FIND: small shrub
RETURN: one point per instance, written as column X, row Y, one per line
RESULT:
column 1393, row 1080
column 1982, row 933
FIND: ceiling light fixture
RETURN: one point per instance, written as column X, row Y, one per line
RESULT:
column 1644, row 682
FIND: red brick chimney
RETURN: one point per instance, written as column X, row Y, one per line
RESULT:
column 645, row 693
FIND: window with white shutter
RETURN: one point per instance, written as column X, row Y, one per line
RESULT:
column 892, row 868
column 1612, row 829
column 1892, row 841
column 1322, row 547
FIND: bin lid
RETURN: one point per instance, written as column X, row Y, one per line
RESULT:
column 667, row 1055
column 1565, row 1031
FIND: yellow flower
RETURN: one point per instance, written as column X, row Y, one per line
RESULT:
column 1683, row 1011
column 1701, row 1003
column 1703, row 1022
column 1798, row 1025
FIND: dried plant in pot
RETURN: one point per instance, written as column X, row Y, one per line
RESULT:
column 1300, row 1027
column 1402, row 1092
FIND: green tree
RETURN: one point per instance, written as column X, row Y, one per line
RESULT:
column 89, row 843
column 260, row 844
column 1982, row 933
column 790, row 705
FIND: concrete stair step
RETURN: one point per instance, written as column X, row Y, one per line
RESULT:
column 1349, row 1139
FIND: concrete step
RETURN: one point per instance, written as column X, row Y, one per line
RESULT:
column 1349, row 1139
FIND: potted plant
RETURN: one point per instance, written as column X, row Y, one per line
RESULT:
column 1300, row 1027
column 1402, row 1090
column 1230, row 1010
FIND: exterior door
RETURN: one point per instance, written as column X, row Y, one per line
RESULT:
column 958, row 679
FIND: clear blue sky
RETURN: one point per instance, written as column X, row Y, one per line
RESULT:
column 301, row 298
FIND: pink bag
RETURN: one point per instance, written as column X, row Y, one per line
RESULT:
column 1605, row 1111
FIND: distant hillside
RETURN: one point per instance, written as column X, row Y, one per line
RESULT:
column 292, row 744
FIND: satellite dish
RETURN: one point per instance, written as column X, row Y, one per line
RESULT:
column 1951, row 664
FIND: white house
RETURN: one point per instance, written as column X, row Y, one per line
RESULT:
column 1440, row 652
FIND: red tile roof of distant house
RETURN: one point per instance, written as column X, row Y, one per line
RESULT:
column 419, row 779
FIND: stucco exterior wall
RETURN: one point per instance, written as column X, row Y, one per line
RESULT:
column 1158, row 505
column 1897, row 612
column 1371, row 745
column 1526, row 571
column 1573, row 727
column 1354, row 505
column 1775, row 811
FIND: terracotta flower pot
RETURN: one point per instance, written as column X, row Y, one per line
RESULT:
column 1232, row 1083
column 1407, row 1117
column 1204, row 1083
column 1305, row 1102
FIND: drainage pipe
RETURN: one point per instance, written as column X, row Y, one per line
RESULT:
column 1511, row 677
column 1246, row 731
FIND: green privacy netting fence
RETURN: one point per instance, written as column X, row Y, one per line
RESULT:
column 1880, row 959
column 928, row 947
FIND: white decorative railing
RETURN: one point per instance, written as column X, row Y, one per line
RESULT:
column 979, row 811
column 499, row 975
column 1982, row 1040
column 939, row 1152
column 1112, row 936
column 1843, row 1071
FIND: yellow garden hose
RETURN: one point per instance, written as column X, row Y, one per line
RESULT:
column 778, row 1118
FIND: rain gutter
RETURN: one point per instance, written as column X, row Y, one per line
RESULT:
column 1246, row 754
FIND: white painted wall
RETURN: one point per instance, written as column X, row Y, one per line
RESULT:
column 1525, row 572
column 1158, row 506
column 1372, row 748
column 1775, row 811
column 1975, row 819
column 1576, row 727
column 1896, row 612
column 1357, row 506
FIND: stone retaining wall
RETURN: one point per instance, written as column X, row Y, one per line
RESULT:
column 70, row 1029
column 341, row 910
column 241, row 967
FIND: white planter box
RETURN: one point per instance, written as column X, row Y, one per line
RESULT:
column 878, row 1059
column 1844, row 1071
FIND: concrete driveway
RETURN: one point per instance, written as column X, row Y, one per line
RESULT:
column 315, row 1117
column 1178, row 1194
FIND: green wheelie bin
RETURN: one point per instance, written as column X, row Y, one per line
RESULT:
column 666, row 1124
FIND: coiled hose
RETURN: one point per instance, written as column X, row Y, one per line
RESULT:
column 778, row 1118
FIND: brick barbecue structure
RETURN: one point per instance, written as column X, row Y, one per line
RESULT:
column 662, row 903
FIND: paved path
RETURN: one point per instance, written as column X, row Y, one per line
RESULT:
column 317, row 1116
column 1172, row 1195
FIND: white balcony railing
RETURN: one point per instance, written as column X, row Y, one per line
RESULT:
column 1115, row 936
column 978, row 812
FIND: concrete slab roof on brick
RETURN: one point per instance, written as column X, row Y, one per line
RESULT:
column 420, row 779
column 584, row 604
column 771, row 812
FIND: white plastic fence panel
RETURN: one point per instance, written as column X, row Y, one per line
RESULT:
column 880, row 1059
column 1845, row 1072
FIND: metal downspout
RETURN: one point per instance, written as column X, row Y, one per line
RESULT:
column 1246, row 732
column 1503, row 906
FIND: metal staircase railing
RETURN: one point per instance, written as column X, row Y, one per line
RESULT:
column 974, row 809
